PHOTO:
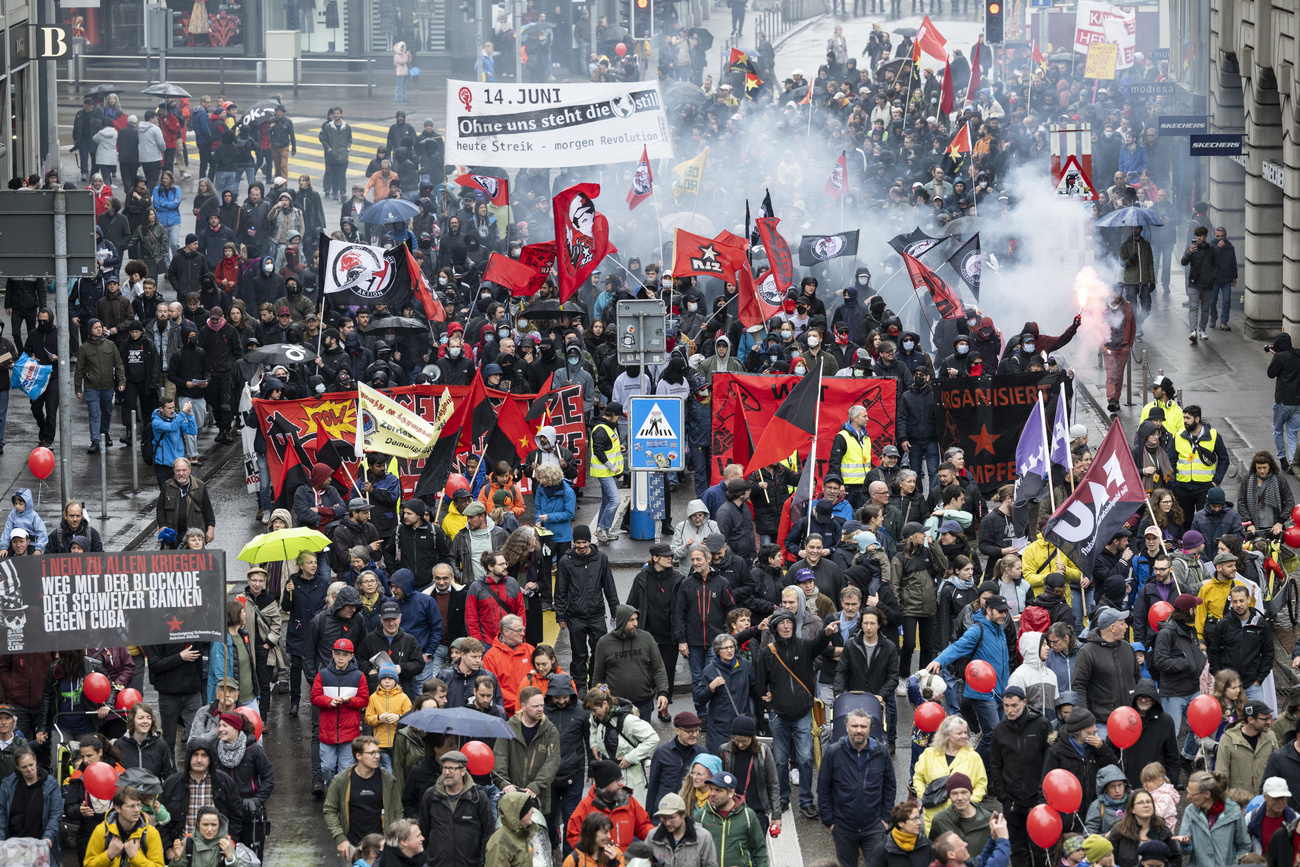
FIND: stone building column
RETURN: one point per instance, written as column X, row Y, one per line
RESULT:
column 1260, row 267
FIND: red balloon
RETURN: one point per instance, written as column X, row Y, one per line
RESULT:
column 1291, row 536
column 620, row 49
column 97, row 688
column 41, row 462
column 1044, row 825
column 1295, row 515
column 481, row 759
column 1062, row 791
column 1124, row 727
column 1204, row 715
column 100, row 779
column 249, row 713
column 980, row 676
column 929, row 716
column 127, row 698
column 1158, row 614
column 454, row 481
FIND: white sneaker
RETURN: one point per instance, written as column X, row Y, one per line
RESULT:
column 601, row 535
column 1203, row 335
column 794, row 776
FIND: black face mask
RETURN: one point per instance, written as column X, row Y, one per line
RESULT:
column 45, row 325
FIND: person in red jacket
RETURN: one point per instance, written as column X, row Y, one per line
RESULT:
column 608, row 795
column 341, row 693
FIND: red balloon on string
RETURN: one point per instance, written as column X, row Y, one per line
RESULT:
column 1204, row 715
column 1124, row 727
column 481, row 759
column 1291, row 536
column 100, row 780
column 929, row 716
column 620, row 49
column 249, row 713
column 41, row 462
column 1044, row 826
column 1158, row 614
column 97, row 688
column 1062, row 791
column 980, row 676
column 1295, row 515
column 454, row 481
column 127, row 698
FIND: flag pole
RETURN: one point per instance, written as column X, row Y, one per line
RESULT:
column 659, row 229
column 1047, row 443
column 812, row 453
column 911, row 76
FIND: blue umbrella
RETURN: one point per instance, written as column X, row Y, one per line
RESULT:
column 463, row 721
column 1129, row 217
column 390, row 211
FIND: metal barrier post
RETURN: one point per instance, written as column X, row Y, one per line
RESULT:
column 1128, row 375
column 135, row 453
column 296, row 61
column 221, row 69
column 370, row 77
column 103, row 484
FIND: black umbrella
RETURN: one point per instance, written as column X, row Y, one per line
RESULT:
column 899, row 66
column 614, row 33
column 540, row 311
column 463, row 721
column 282, row 353
column 681, row 94
column 573, row 307
column 1061, row 57
column 705, row 37
column 167, row 90
column 259, row 111
column 798, row 93
column 397, row 323
column 909, row 32
column 105, row 90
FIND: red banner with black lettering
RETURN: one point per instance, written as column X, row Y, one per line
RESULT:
column 743, row 403
column 293, row 429
column 983, row 416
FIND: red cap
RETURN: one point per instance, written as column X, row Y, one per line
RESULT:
column 1187, row 602
column 283, row 311
column 343, row 644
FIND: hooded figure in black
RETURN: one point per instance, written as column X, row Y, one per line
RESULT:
column 1158, row 741
column 957, row 364
column 878, row 314
column 910, row 352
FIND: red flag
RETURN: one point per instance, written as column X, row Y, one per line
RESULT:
column 947, row 300
column 759, row 301
column 719, row 257
column 945, row 97
column 807, row 97
column 581, row 237
column 433, row 310
column 516, row 276
column 642, row 182
column 916, row 51
column 960, row 142
column 973, row 90
column 496, row 189
column 539, row 257
column 931, row 41
column 1037, row 56
column 838, row 183
column 792, row 426
column 778, row 255
column 510, row 439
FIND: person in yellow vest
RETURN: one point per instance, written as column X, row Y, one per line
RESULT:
column 851, row 456
column 454, row 521
column 1162, row 392
column 607, row 466
column 1214, row 593
column 1202, row 462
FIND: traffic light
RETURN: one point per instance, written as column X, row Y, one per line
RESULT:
column 643, row 19
column 469, row 8
column 993, row 22
column 180, row 32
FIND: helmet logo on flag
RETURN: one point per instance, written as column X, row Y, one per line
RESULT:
column 768, row 291
column 357, row 267
column 641, row 180
column 828, row 247
column 489, row 184
column 970, row 267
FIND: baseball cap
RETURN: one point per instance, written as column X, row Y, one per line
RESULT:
column 283, row 311
column 1109, row 617
column 1256, row 708
column 997, row 603
column 343, row 644
column 949, row 527
column 1077, row 431
column 890, row 451
column 670, row 805
column 227, row 683
column 1152, row 530
column 1187, row 602
column 390, row 610
column 723, row 779
column 1276, row 787
column 804, row 575
column 1162, row 382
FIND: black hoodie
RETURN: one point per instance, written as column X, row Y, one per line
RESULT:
column 1158, row 741
column 1016, row 759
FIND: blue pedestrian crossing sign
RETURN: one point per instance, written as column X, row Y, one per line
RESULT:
column 656, row 433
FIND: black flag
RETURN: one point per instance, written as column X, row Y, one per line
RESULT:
column 915, row 243
column 966, row 262
column 823, row 248
column 764, row 211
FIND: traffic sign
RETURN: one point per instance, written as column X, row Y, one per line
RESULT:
column 656, row 433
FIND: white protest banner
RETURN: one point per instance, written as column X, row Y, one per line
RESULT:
column 1122, row 32
column 542, row 126
column 1090, row 27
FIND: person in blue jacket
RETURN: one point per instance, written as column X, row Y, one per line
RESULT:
column 855, row 790
column 167, row 427
column 556, row 506
column 984, row 640
column 421, row 618
column 24, row 516
column 301, row 601
column 31, row 777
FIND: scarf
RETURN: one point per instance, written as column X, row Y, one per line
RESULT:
column 218, row 325
column 230, row 755
column 904, row 840
column 1263, row 490
column 1212, row 815
column 369, row 602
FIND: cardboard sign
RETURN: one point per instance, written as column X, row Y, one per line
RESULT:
column 1102, row 58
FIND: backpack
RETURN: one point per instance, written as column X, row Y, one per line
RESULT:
column 1033, row 619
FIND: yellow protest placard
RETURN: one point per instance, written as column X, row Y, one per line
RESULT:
column 1102, row 58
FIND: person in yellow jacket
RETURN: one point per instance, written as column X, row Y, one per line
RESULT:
column 125, row 838
column 1214, row 592
column 949, row 753
column 850, row 457
column 386, row 706
column 1041, row 558
column 607, row 466
column 454, row 521
column 1162, row 392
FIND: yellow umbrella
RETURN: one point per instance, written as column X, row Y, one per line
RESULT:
column 283, row 545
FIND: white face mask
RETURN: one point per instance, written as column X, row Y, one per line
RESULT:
column 962, row 349
column 453, row 351
column 320, row 389
column 442, row 281
column 864, row 280
column 814, row 341
column 692, row 306
column 909, row 344
column 1028, row 346
column 787, row 335
column 972, row 322
column 523, row 324
column 800, row 370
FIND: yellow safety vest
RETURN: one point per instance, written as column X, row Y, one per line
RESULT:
column 856, row 462
column 1173, row 415
column 1190, row 466
column 615, row 455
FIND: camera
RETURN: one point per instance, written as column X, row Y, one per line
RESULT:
column 1268, row 347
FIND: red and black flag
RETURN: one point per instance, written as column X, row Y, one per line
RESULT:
column 496, row 189
column 765, row 210
column 1105, row 498
column 945, row 299
column 914, row 243
column 740, row 62
column 510, row 439
column 838, row 182
column 778, row 251
column 643, row 183
column 540, row 257
column 792, row 426
column 581, row 237
column 408, row 274
column 697, row 255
